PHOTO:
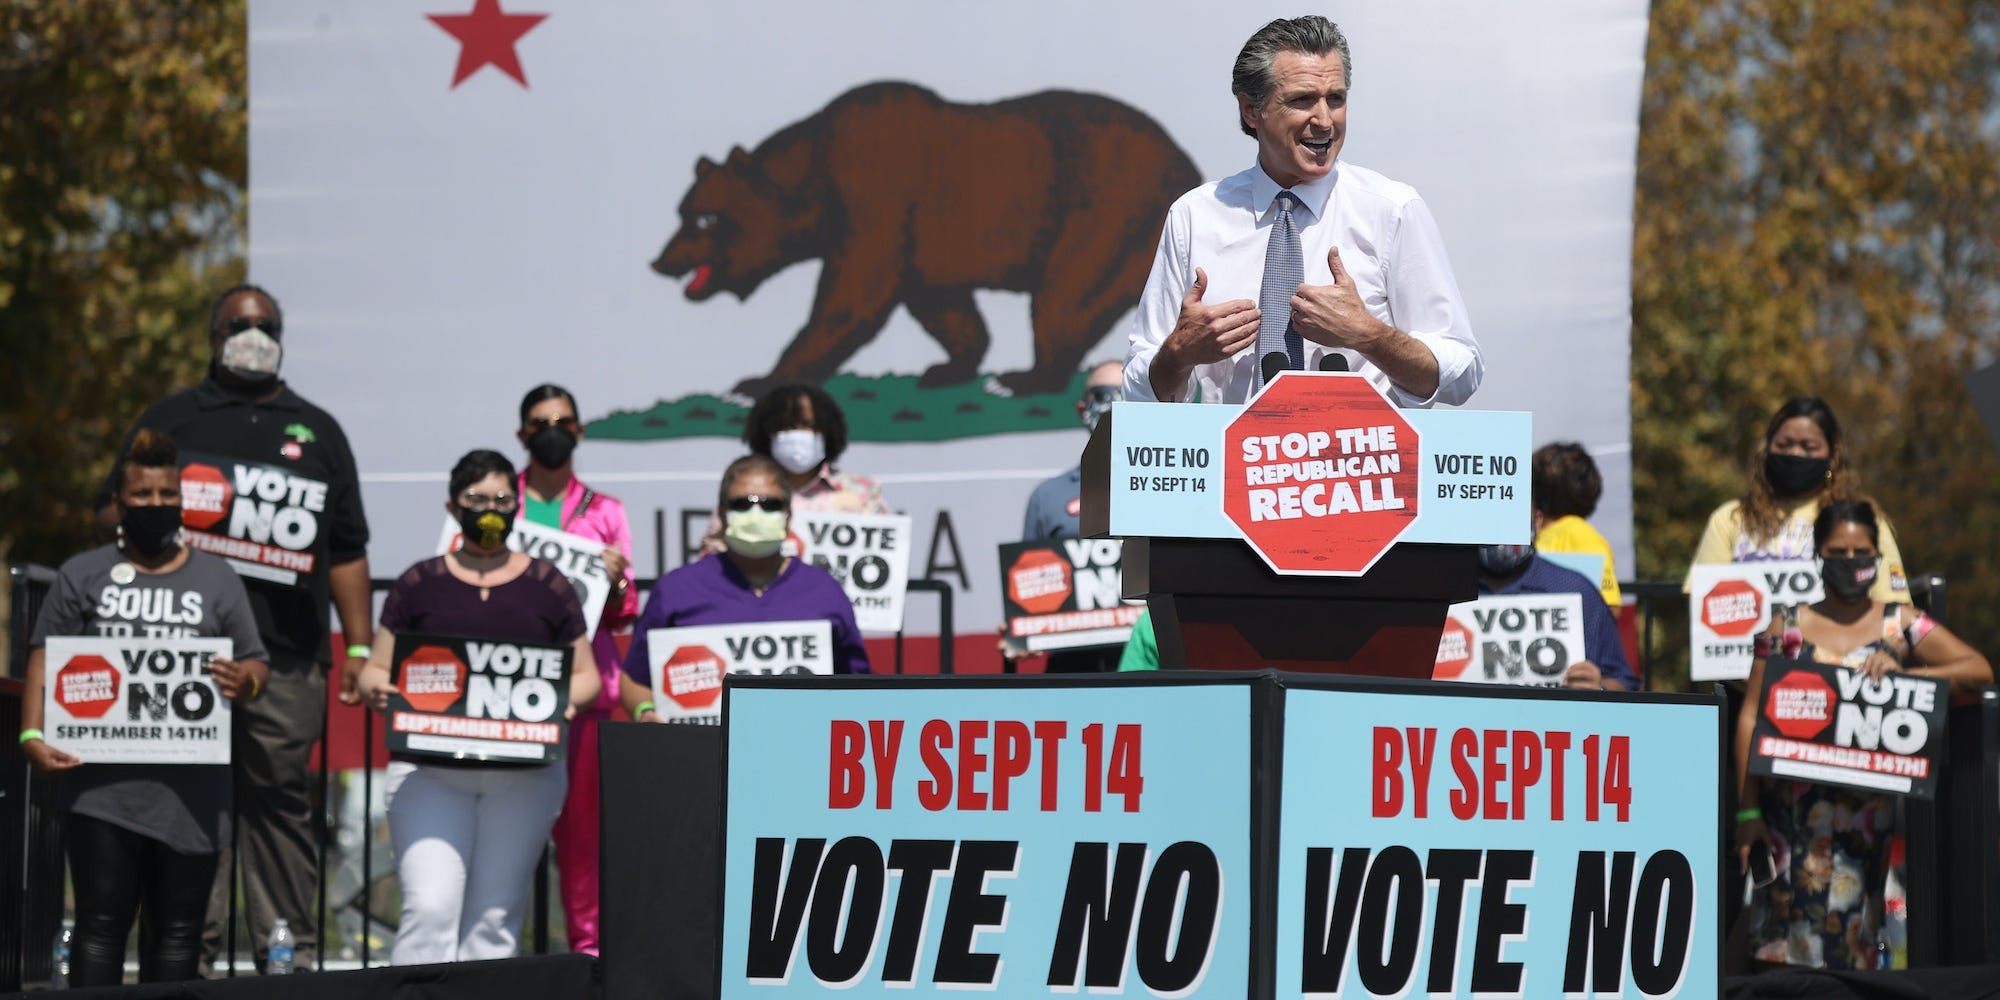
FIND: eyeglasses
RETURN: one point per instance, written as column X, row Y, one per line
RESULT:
column 770, row 505
column 542, row 423
column 268, row 324
column 481, row 502
column 1102, row 394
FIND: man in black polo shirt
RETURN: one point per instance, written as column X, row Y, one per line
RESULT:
column 268, row 482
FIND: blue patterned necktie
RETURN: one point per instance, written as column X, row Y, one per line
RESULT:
column 1284, row 272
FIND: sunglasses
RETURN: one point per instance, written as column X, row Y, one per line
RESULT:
column 770, row 505
column 268, row 324
column 541, row 423
column 477, row 502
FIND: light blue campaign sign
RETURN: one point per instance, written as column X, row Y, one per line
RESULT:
column 1474, row 482
column 1166, row 473
column 897, row 841
column 1166, row 470
column 1525, row 846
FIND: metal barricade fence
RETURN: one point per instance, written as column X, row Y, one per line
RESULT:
column 31, row 841
column 352, row 879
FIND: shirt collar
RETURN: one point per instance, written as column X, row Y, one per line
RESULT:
column 1313, row 195
column 823, row 481
column 210, row 395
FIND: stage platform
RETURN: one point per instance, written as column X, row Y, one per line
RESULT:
column 542, row 977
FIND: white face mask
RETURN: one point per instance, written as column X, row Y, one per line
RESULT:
column 252, row 354
column 799, row 451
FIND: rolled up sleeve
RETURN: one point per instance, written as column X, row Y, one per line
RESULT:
column 1159, row 307
column 1424, row 303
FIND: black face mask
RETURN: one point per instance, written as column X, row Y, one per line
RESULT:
column 551, row 446
column 1848, row 578
column 487, row 529
column 1795, row 475
column 1504, row 560
column 149, row 532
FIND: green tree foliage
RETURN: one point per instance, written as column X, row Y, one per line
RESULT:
column 1818, row 211
column 122, row 164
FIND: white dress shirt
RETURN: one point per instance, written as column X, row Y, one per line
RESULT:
column 1389, row 245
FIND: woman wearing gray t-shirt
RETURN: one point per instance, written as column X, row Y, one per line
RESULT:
column 142, row 834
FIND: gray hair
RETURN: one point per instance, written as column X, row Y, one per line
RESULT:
column 752, row 465
column 1310, row 35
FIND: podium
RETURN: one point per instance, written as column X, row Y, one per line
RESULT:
column 1231, row 565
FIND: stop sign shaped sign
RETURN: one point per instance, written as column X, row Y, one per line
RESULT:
column 1732, row 607
column 205, row 495
column 1800, row 704
column 432, row 679
column 87, row 686
column 1454, row 650
column 1039, row 581
column 1319, row 473
column 693, row 677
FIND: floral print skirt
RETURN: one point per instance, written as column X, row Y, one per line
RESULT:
column 1831, row 849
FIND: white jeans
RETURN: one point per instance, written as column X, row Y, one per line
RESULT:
column 466, row 844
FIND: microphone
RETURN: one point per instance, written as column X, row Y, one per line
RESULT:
column 1275, row 362
column 1333, row 361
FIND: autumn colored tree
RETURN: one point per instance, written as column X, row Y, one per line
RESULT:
column 122, row 164
column 1818, row 211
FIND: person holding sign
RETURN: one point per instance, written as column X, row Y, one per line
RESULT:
column 1516, row 569
column 141, row 835
column 553, row 497
column 804, row 431
column 467, row 834
column 1836, row 838
column 1566, row 486
column 753, row 581
column 1302, row 256
column 1800, row 467
column 270, row 484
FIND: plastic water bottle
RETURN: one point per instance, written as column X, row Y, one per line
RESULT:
column 59, row 957
column 279, row 950
column 1895, row 935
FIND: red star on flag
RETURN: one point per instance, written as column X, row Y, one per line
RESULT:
column 486, row 37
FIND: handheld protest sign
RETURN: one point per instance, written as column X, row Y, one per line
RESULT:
column 477, row 699
column 1524, row 639
column 1064, row 594
column 1730, row 603
column 868, row 553
column 1831, row 725
column 268, row 522
column 136, row 701
column 904, row 837
column 690, row 662
column 579, row 559
column 1490, row 841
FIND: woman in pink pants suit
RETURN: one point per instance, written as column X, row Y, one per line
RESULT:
column 552, row 496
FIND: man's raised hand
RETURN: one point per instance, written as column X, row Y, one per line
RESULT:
column 1206, row 334
column 1332, row 314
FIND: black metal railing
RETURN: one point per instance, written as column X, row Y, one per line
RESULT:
column 1957, row 831
column 32, row 908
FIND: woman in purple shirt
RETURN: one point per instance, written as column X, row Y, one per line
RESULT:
column 753, row 581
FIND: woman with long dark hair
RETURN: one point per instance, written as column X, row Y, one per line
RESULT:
column 1801, row 466
column 1831, row 845
column 553, row 497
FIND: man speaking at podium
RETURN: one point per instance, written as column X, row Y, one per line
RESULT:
column 1301, row 261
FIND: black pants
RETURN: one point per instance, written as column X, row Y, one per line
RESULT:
column 115, row 871
column 276, row 847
